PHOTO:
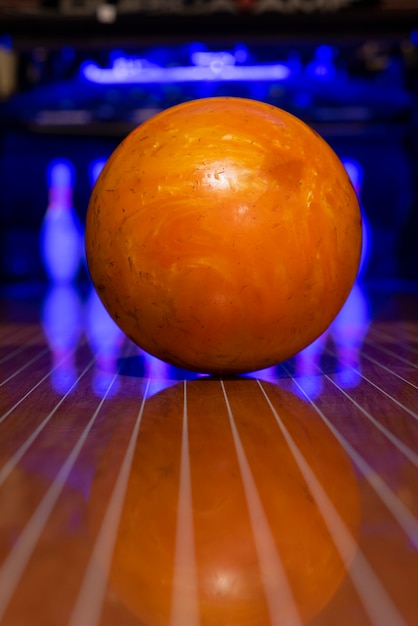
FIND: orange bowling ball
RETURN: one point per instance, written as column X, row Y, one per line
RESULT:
column 223, row 235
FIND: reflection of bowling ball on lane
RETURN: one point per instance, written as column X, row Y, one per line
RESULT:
column 223, row 235
column 228, row 576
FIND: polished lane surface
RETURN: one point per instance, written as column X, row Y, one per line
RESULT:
column 133, row 493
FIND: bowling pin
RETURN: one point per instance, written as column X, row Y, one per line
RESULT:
column 356, row 174
column 61, row 238
column 95, row 168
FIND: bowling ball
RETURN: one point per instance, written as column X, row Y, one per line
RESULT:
column 223, row 235
column 218, row 519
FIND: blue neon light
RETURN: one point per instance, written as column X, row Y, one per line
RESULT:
column 214, row 60
column 209, row 67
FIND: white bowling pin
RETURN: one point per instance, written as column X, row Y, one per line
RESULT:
column 356, row 173
column 61, row 238
column 95, row 169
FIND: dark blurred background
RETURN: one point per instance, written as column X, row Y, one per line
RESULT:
column 77, row 75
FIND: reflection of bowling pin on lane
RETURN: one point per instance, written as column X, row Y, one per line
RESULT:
column 105, row 339
column 61, row 238
column 62, row 324
column 307, row 369
column 348, row 331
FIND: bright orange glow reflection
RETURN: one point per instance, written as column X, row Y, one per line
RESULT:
column 219, row 525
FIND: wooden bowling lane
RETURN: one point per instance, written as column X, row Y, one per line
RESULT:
column 135, row 494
